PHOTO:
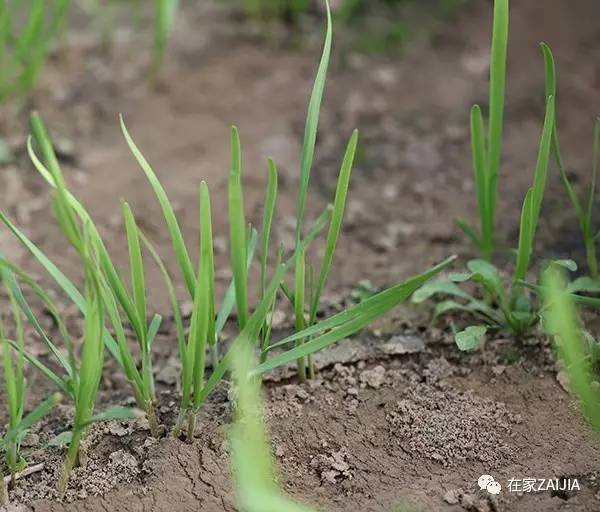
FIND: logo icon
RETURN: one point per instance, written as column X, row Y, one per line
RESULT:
column 487, row 483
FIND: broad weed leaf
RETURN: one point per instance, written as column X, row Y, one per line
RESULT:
column 488, row 275
column 584, row 284
column 470, row 338
column 569, row 265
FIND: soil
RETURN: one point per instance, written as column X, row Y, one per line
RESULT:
column 397, row 417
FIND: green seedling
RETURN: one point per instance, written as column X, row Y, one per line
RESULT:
column 251, row 460
column 487, row 150
column 306, row 304
column 500, row 309
column 165, row 16
column 13, row 364
column 583, row 207
column 76, row 378
column 560, row 322
column 70, row 215
column 10, row 442
column 27, row 30
column 337, row 327
column 108, row 295
column 88, row 374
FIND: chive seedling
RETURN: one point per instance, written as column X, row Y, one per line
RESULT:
column 583, row 208
column 70, row 214
column 13, row 362
column 306, row 313
column 202, row 324
column 25, row 38
column 237, row 231
column 165, row 16
column 487, row 151
column 88, row 374
column 511, row 310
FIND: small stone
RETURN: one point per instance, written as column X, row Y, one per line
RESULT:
column 373, row 378
column 402, row 344
column 563, row 379
column 452, row 497
column 117, row 429
column 498, row 370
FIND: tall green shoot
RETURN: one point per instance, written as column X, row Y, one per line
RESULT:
column 583, row 207
column 237, row 231
column 90, row 370
column 13, row 363
column 487, row 153
column 70, row 214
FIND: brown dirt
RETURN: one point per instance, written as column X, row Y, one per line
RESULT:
column 378, row 433
column 383, row 425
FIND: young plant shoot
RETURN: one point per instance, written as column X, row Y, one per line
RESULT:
column 584, row 208
column 512, row 309
column 27, row 31
column 109, row 297
column 487, row 152
column 13, row 363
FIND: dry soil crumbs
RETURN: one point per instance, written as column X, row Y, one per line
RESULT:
column 110, row 457
column 451, row 426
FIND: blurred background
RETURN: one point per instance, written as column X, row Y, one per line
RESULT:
column 404, row 72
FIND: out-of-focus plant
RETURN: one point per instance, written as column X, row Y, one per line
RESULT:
column 571, row 344
column 165, row 11
column 27, row 30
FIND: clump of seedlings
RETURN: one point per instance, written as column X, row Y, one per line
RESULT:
column 109, row 301
column 27, row 30
column 497, row 307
